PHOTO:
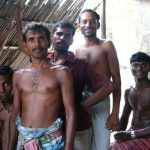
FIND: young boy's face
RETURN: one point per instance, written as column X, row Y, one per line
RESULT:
column 140, row 69
column 5, row 88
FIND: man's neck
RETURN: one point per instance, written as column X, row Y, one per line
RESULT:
column 60, row 56
column 8, row 104
column 90, row 41
column 143, row 83
column 40, row 63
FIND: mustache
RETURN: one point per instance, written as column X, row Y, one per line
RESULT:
column 39, row 48
column 62, row 42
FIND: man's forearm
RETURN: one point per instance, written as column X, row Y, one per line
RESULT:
column 142, row 132
column 13, row 132
column 116, row 98
column 98, row 96
column 70, row 132
column 116, row 103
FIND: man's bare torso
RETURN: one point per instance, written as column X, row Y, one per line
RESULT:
column 40, row 96
column 140, row 102
column 96, row 55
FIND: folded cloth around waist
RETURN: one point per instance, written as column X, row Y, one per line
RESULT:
column 135, row 144
column 40, row 138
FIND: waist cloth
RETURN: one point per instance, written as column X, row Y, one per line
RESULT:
column 50, row 138
column 135, row 144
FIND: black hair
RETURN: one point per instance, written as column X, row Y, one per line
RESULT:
column 7, row 71
column 63, row 24
column 96, row 15
column 36, row 27
column 140, row 57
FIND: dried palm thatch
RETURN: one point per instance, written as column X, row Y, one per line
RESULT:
column 47, row 11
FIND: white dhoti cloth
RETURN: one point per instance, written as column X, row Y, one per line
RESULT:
column 101, row 135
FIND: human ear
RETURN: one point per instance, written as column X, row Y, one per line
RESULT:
column 98, row 25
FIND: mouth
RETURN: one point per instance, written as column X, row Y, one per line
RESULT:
column 89, row 30
column 4, row 97
column 139, row 74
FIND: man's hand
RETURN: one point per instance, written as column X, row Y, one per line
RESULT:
column 89, row 111
column 112, row 122
column 122, row 136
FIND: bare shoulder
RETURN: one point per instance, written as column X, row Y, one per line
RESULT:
column 18, row 73
column 128, row 91
column 108, row 45
column 79, row 49
column 63, row 74
column 61, row 70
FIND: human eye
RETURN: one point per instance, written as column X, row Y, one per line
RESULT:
column 145, row 65
column 7, row 83
column 84, row 21
column 135, row 65
column 42, row 38
column 68, row 35
column 31, row 39
column 59, row 33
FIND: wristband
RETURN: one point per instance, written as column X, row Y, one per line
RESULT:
column 132, row 134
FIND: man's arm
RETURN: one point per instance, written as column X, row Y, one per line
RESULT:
column 99, row 83
column 8, row 29
column 124, row 135
column 66, row 83
column 18, row 19
column 16, row 112
column 113, row 120
column 98, row 96
column 126, row 112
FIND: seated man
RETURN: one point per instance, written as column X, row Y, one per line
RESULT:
column 6, row 100
column 137, row 98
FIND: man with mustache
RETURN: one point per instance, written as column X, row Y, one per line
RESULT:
column 83, row 75
column 40, row 91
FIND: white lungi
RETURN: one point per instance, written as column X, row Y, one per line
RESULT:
column 100, row 134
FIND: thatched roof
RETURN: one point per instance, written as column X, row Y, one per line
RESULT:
column 47, row 11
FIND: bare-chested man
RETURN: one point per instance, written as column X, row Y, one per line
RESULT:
column 83, row 74
column 101, row 54
column 137, row 99
column 39, row 93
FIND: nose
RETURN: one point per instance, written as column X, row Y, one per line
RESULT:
column 62, row 37
column 88, row 23
column 2, row 89
column 139, row 67
column 37, row 42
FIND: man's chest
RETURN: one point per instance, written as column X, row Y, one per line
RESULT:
column 140, row 99
column 38, row 82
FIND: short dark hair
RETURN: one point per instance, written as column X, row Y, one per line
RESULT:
column 96, row 15
column 140, row 57
column 7, row 71
column 63, row 24
column 35, row 27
